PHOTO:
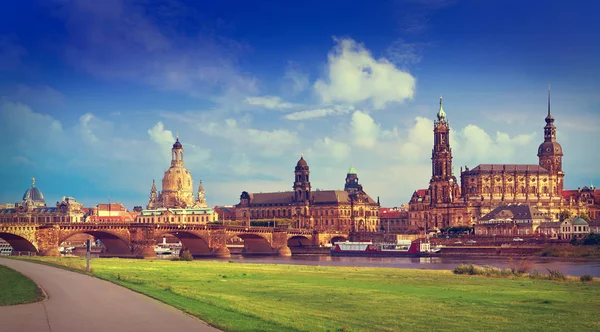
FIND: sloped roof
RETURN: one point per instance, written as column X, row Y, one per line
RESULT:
column 515, row 211
column 567, row 194
column 111, row 207
column 421, row 193
column 317, row 197
column 550, row 224
column 387, row 213
column 284, row 197
column 509, row 168
column 578, row 221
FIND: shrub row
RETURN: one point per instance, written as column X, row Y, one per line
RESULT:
column 490, row 271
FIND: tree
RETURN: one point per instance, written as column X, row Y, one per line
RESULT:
column 564, row 215
column 584, row 216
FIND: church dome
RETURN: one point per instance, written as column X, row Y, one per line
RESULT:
column 550, row 148
column 302, row 162
column 34, row 194
column 177, row 178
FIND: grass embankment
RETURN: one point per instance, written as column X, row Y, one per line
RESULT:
column 16, row 288
column 570, row 251
column 243, row 297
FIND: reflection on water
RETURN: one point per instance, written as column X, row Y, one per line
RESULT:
column 571, row 267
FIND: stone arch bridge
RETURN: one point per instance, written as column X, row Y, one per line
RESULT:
column 138, row 239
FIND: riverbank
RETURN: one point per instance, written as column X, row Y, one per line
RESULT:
column 241, row 297
column 16, row 288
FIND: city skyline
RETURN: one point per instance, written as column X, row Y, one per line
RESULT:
column 91, row 103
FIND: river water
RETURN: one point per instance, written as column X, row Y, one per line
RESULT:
column 573, row 267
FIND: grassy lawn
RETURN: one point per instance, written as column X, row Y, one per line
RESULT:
column 16, row 288
column 245, row 297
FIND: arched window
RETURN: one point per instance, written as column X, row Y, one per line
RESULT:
column 545, row 190
column 473, row 190
column 181, row 155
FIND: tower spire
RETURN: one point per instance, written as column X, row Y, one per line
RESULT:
column 32, row 182
column 441, row 114
column 549, row 100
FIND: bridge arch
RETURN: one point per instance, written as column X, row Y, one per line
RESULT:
column 196, row 244
column 255, row 244
column 18, row 243
column 338, row 239
column 298, row 241
column 114, row 244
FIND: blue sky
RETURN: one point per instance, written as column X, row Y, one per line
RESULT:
column 93, row 93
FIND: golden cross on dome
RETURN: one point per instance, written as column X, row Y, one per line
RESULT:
column 32, row 182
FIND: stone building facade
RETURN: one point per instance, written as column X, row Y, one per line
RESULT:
column 176, row 202
column 586, row 199
column 33, row 209
column 486, row 186
column 511, row 220
column 325, row 210
column 395, row 220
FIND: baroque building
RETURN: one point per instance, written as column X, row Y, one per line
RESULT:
column 33, row 209
column 175, row 203
column 486, row 186
column 346, row 210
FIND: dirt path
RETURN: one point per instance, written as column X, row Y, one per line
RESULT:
column 80, row 303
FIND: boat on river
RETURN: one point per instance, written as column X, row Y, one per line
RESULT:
column 401, row 248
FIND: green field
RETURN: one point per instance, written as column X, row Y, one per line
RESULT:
column 245, row 297
column 16, row 288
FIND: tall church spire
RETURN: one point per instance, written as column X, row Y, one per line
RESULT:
column 550, row 152
column 549, row 115
column 441, row 114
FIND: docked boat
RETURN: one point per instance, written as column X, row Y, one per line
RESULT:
column 162, row 250
column 402, row 248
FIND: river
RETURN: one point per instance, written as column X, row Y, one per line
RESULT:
column 572, row 267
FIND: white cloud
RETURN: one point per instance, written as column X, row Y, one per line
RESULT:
column 319, row 112
column 364, row 130
column 266, row 142
column 331, row 148
column 86, row 131
column 160, row 135
column 479, row 146
column 403, row 53
column 297, row 81
column 269, row 102
column 354, row 76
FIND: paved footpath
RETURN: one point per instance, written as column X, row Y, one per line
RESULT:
column 80, row 303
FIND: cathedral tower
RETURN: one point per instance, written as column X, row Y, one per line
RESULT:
column 550, row 152
column 302, row 181
column 443, row 186
column 351, row 185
